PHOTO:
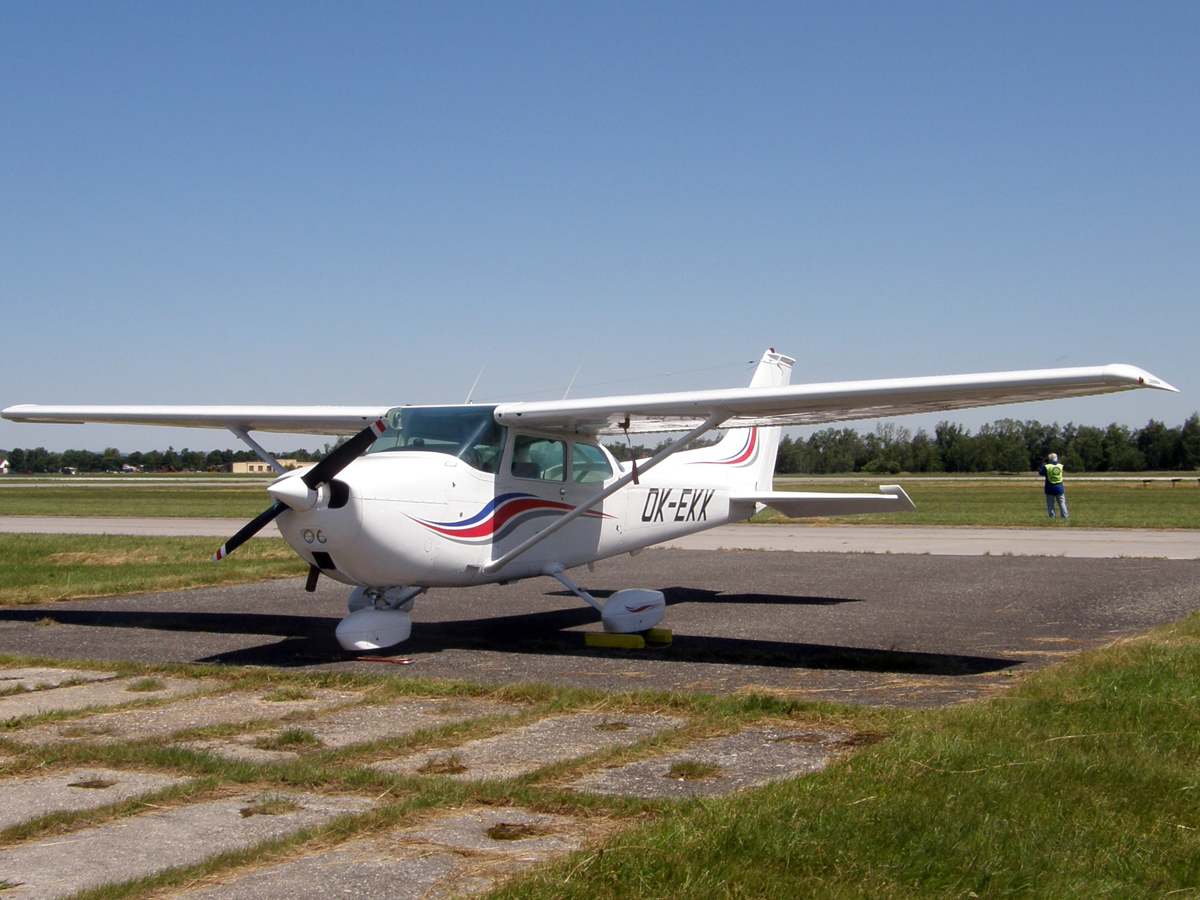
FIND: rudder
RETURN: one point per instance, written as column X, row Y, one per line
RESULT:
column 751, row 452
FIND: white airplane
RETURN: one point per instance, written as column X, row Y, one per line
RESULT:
column 457, row 496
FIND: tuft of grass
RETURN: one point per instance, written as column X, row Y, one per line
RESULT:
column 289, row 694
column 515, row 831
column 606, row 725
column 443, row 765
column 693, row 770
column 270, row 805
column 291, row 739
column 145, row 685
column 73, row 731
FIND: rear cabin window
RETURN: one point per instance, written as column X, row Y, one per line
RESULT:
column 589, row 465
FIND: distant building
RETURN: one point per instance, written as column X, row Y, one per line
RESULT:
column 3, row 466
column 261, row 468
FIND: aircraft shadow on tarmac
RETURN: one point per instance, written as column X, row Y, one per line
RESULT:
column 309, row 640
column 697, row 595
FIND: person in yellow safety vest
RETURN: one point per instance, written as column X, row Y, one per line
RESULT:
column 1056, row 494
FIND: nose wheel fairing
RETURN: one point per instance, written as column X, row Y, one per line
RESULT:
column 372, row 628
column 378, row 617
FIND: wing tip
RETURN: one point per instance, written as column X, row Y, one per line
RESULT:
column 1135, row 377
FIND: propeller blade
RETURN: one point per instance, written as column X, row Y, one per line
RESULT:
column 324, row 471
column 249, row 530
column 313, row 574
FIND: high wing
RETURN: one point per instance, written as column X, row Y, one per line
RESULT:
column 818, row 404
column 284, row 419
column 810, row 404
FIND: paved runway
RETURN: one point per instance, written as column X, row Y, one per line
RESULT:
column 1052, row 540
column 874, row 628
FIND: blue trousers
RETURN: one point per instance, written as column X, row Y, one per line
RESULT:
column 1061, row 500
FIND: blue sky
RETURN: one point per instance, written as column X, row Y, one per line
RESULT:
column 367, row 202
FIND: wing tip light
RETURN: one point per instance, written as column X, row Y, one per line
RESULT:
column 1134, row 376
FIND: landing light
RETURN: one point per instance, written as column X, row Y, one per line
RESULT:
column 308, row 536
column 321, row 537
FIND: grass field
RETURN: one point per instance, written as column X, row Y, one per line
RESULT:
column 1096, row 504
column 995, row 502
column 150, row 498
column 1080, row 782
column 40, row 568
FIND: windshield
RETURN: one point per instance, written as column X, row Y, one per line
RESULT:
column 467, row 432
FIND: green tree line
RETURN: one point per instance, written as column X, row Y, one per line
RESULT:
column 41, row 460
column 1006, row 445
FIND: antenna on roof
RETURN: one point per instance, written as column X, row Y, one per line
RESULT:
column 573, row 377
column 476, row 382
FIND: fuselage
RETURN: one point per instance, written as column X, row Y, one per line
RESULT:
column 434, row 500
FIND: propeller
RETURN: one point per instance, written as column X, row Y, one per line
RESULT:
column 322, row 473
column 249, row 530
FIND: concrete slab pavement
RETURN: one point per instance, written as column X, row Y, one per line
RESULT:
column 540, row 744
column 115, row 692
column 449, row 856
column 185, row 715
column 753, row 757
column 37, row 678
column 154, row 842
column 357, row 725
column 75, row 791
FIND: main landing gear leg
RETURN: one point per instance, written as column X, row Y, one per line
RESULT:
column 625, row 612
column 378, row 617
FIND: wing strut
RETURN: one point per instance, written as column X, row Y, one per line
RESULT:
column 244, row 436
column 713, row 421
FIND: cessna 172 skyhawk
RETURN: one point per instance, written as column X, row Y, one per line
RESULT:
column 455, row 496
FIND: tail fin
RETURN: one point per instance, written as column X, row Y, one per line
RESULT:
column 750, row 452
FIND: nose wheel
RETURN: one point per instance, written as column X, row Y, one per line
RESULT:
column 378, row 618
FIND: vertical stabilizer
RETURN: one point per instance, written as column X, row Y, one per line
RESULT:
column 748, row 454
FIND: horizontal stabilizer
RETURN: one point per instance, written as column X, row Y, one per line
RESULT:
column 803, row 505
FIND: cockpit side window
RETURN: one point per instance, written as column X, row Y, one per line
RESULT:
column 541, row 458
column 469, row 433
